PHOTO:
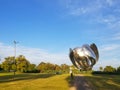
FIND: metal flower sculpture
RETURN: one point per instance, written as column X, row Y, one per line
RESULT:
column 84, row 57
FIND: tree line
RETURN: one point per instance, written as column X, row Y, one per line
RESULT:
column 107, row 70
column 21, row 64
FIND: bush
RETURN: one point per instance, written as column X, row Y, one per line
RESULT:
column 32, row 71
column 110, row 73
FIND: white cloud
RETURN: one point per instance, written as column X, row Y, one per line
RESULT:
column 79, row 11
column 34, row 55
column 110, row 2
column 116, row 36
column 104, row 11
column 6, row 50
column 113, row 62
column 109, row 47
column 109, row 52
column 79, row 7
column 109, row 55
column 108, row 19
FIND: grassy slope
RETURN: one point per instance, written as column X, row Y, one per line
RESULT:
column 33, row 82
column 104, row 82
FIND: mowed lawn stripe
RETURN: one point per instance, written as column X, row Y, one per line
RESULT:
column 104, row 82
column 37, row 82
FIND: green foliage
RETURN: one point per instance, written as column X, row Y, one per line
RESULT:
column 65, row 68
column 118, row 69
column 8, row 64
column 101, row 68
column 32, row 67
column 109, row 69
column 1, row 67
column 20, row 64
column 52, row 68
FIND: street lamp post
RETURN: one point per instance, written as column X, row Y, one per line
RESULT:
column 15, row 56
column 0, row 60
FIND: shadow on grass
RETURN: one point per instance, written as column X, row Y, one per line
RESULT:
column 96, row 82
column 78, row 83
column 23, row 76
column 104, row 82
column 70, row 81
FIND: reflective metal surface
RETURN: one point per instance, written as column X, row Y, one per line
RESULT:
column 84, row 57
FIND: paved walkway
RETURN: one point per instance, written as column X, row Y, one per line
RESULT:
column 80, row 83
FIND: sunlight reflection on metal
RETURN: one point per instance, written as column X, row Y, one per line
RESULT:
column 85, row 57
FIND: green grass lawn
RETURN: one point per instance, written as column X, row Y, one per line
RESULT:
column 33, row 81
column 37, row 81
column 104, row 82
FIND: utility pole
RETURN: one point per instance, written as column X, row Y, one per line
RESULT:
column 15, row 57
column 0, row 59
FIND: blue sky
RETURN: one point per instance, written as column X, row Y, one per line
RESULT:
column 46, row 29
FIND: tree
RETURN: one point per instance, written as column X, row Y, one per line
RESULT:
column 52, row 68
column 19, row 63
column 42, row 67
column 118, row 69
column 8, row 64
column 109, row 69
column 1, row 67
column 46, row 67
column 65, row 68
column 57, row 67
column 101, row 68
column 22, row 64
column 32, row 67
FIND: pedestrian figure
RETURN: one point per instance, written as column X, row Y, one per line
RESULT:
column 71, row 73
